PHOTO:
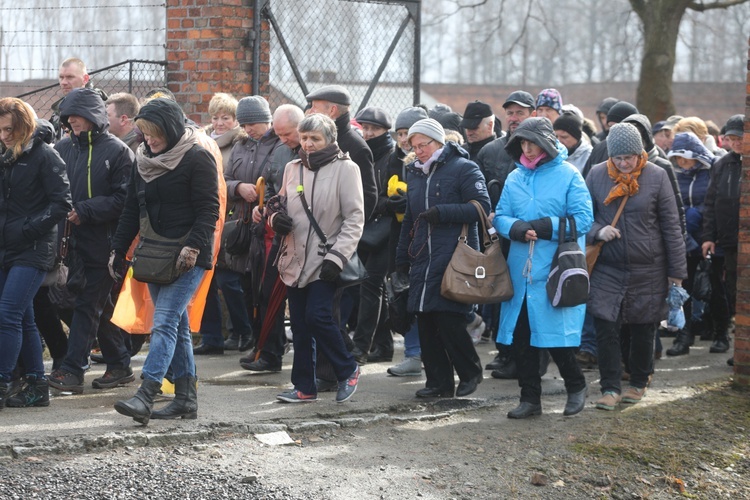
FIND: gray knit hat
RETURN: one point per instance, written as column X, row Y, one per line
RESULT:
column 429, row 127
column 624, row 139
column 409, row 117
column 253, row 109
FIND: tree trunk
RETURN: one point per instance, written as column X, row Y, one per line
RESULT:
column 661, row 26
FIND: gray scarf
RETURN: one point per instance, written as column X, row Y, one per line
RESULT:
column 151, row 168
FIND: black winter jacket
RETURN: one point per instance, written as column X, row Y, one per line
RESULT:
column 721, row 216
column 35, row 198
column 98, row 165
column 453, row 182
column 381, row 147
column 351, row 142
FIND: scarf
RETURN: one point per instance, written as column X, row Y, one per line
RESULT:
column 425, row 167
column 625, row 184
column 531, row 164
column 153, row 167
column 319, row 159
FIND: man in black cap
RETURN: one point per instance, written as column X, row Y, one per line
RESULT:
column 334, row 101
column 479, row 125
column 617, row 113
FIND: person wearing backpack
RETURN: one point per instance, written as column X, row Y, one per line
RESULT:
column 643, row 255
column 541, row 191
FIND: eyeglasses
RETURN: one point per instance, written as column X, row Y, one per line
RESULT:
column 420, row 147
column 624, row 159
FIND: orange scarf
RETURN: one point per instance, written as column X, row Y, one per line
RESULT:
column 625, row 184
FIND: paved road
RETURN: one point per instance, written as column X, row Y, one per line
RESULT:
column 233, row 400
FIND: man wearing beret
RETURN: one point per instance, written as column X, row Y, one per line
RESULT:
column 334, row 101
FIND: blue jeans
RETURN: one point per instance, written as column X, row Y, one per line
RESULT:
column 18, row 332
column 93, row 310
column 311, row 317
column 411, row 342
column 170, row 335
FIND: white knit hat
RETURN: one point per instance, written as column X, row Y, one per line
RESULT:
column 428, row 127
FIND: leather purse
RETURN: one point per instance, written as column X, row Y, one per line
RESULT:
column 477, row 276
column 593, row 250
column 237, row 233
column 376, row 233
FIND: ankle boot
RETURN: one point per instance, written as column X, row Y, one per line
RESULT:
column 721, row 337
column 3, row 393
column 35, row 392
column 682, row 343
column 246, row 342
column 139, row 406
column 185, row 403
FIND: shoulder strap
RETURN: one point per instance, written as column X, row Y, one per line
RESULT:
column 313, row 222
column 619, row 210
column 487, row 238
column 561, row 230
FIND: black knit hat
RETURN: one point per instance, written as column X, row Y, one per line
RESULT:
column 167, row 115
column 619, row 111
column 570, row 123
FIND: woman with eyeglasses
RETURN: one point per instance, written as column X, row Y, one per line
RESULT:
column 441, row 182
column 643, row 255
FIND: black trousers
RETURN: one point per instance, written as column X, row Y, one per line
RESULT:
column 640, row 355
column 527, row 360
column 371, row 331
column 446, row 345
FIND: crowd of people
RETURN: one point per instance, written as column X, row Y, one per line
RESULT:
column 312, row 212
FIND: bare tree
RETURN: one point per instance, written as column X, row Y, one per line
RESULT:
column 660, row 20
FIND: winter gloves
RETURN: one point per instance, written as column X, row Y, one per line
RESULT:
column 397, row 203
column 117, row 265
column 330, row 271
column 518, row 230
column 608, row 233
column 186, row 259
column 281, row 223
column 431, row 215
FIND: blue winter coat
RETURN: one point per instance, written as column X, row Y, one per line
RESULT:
column 453, row 182
column 554, row 189
column 693, row 187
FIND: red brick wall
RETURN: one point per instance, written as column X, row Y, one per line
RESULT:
column 208, row 52
column 742, row 331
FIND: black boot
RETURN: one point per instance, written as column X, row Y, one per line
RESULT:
column 3, row 393
column 139, row 406
column 681, row 344
column 35, row 392
column 185, row 403
column 247, row 342
column 721, row 337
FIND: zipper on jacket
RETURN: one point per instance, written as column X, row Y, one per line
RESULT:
column 429, row 240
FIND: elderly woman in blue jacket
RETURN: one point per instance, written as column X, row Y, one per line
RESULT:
column 542, row 189
column 441, row 183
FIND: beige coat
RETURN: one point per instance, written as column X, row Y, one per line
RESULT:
column 334, row 193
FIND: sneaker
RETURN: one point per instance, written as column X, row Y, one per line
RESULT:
column 65, row 381
column 633, row 395
column 113, row 378
column 35, row 392
column 348, row 387
column 409, row 367
column 476, row 329
column 608, row 401
column 295, row 396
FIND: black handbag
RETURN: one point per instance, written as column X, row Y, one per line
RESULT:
column 237, row 234
column 354, row 271
column 568, row 280
column 376, row 233
column 397, row 296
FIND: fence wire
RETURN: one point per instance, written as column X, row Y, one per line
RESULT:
column 343, row 42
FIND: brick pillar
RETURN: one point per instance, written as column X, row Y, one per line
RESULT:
column 209, row 50
column 742, row 331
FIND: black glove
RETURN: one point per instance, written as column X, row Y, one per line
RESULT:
column 329, row 271
column 543, row 228
column 282, row 224
column 397, row 202
column 117, row 265
column 431, row 215
column 518, row 230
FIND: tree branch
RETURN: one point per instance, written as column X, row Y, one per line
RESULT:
column 718, row 4
column 639, row 7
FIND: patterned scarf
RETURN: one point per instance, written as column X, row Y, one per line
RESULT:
column 625, row 184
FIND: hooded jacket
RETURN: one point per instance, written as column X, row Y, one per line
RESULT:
column 35, row 197
column 554, row 189
column 721, row 217
column 98, row 166
column 452, row 183
column 184, row 200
